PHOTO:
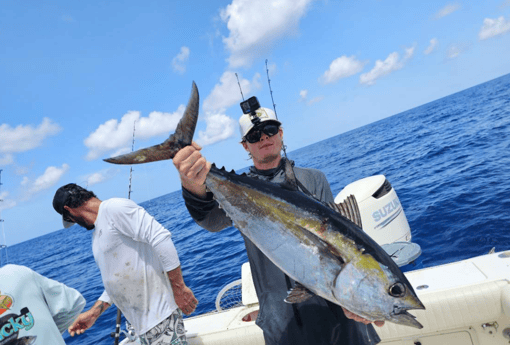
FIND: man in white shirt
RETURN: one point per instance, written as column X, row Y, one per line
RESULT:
column 138, row 262
column 35, row 309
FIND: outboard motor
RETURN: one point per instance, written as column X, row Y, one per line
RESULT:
column 383, row 217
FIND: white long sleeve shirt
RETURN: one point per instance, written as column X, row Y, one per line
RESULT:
column 134, row 252
column 35, row 309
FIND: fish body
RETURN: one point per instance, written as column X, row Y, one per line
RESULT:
column 313, row 243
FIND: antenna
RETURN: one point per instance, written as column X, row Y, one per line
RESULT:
column 4, row 245
column 238, row 83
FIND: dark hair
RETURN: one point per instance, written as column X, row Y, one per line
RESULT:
column 71, row 195
column 79, row 196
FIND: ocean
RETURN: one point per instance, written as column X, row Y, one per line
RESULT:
column 448, row 161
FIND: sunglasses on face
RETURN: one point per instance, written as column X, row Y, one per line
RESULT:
column 256, row 133
column 67, row 216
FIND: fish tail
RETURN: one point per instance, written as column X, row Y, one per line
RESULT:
column 182, row 137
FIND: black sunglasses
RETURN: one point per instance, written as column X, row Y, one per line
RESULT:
column 255, row 134
column 66, row 216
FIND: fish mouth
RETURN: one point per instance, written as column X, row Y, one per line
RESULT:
column 402, row 317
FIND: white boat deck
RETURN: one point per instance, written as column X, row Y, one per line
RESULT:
column 468, row 303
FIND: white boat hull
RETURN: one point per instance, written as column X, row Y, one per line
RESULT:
column 467, row 303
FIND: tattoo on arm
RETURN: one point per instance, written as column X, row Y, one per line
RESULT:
column 102, row 307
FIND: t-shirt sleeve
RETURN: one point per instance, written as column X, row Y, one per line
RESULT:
column 105, row 298
column 64, row 303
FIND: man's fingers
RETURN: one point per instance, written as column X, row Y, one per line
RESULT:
column 183, row 155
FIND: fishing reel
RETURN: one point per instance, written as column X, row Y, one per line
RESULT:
column 250, row 106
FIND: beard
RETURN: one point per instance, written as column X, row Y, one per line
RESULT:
column 269, row 158
column 81, row 222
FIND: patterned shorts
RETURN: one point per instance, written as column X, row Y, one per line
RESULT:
column 168, row 332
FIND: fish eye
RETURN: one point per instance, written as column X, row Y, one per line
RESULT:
column 397, row 290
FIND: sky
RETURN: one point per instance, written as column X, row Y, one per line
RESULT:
column 79, row 78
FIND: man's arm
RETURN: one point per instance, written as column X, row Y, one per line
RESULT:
column 183, row 295
column 88, row 318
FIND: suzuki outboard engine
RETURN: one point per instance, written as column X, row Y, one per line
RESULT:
column 383, row 217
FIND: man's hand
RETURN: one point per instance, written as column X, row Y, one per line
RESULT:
column 351, row 315
column 83, row 322
column 183, row 296
column 185, row 300
column 193, row 169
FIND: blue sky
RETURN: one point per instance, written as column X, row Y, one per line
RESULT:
column 77, row 76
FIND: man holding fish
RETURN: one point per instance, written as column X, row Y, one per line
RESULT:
column 315, row 321
column 315, row 270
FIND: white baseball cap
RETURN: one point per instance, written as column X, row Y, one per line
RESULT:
column 264, row 114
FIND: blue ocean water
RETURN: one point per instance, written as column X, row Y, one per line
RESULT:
column 448, row 160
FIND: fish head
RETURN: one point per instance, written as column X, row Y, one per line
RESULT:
column 376, row 292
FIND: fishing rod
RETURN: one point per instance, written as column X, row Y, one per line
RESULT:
column 297, row 314
column 238, row 83
column 116, row 335
column 284, row 147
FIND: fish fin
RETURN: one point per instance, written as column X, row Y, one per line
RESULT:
column 290, row 182
column 298, row 294
column 349, row 209
column 182, row 137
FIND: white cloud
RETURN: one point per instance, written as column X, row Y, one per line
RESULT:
column 303, row 98
column 432, row 46
column 6, row 203
column 315, row 100
column 342, row 67
column 98, row 177
column 382, row 68
column 254, row 26
column 226, row 93
column 448, row 9
column 453, row 52
column 47, row 180
column 179, row 62
column 302, row 95
column 115, row 135
column 493, row 27
column 219, row 127
column 24, row 138
column 6, row 159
